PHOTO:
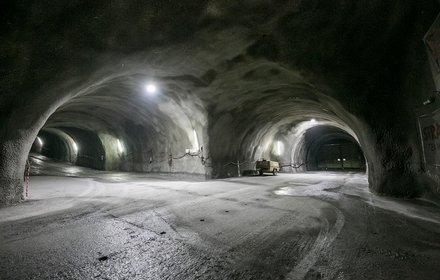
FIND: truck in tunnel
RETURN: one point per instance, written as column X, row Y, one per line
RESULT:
column 267, row 166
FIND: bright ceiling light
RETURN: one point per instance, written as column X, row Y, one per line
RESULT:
column 312, row 120
column 151, row 88
column 40, row 141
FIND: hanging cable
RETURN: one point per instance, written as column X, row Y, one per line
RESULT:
column 296, row 165
column 27, row 173
column 238, row 163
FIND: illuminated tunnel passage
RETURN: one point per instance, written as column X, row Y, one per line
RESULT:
column 90, row 151
column 149, row 128
column 74, row 145
column 330, row 148
column 55, row 144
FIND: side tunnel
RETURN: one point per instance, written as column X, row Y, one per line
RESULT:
column 89, row 149
column 55, row 144
column 331, row 148
column 109, row 123
column 280, row 126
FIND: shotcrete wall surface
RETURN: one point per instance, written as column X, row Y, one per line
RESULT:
column 192, row 86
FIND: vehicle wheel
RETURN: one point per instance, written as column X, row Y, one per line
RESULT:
column 261, row 172
column 274, row 172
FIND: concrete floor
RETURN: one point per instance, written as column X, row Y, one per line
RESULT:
column 291, row 226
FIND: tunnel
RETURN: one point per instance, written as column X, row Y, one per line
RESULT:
column 210, row 109
column 332, row 149
column 163, row 108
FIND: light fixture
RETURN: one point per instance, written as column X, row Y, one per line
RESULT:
column 196, row 141
column 120, row 147
column 150, row 88
column 195, row 144
column 75, row 147
column 279, row 148
column 312, row 120
column 40, row 141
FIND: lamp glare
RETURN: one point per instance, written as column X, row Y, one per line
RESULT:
column 75, row 146
column 151, row 88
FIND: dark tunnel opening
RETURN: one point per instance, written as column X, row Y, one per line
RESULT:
column 331, row 148
column 90, row 151
column 73, row 145
column 50, row 146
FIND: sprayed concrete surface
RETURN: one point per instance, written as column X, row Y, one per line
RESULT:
column 291, row 226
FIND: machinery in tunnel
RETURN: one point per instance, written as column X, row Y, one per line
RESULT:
column 320, row 142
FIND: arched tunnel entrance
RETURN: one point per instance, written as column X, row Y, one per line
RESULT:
column 69, row 144
column 55, row 144
column 127, row 122
column 331, row 148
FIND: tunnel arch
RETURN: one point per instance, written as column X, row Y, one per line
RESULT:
column 55, row 144
column 331, row 148
column 184, row 111
column 138, row 131
column 180, row 110
column 298, row 148
column 273, row 103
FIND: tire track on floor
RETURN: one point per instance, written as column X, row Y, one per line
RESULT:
column 325, row 238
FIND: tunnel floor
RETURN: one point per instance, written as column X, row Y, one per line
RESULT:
column 291, row 226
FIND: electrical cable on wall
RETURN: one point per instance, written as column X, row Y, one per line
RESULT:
column 296, row 165
column 27, row 173
column 170, row 158
column 238, row 163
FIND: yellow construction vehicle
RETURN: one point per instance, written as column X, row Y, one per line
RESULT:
column 267, row 166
